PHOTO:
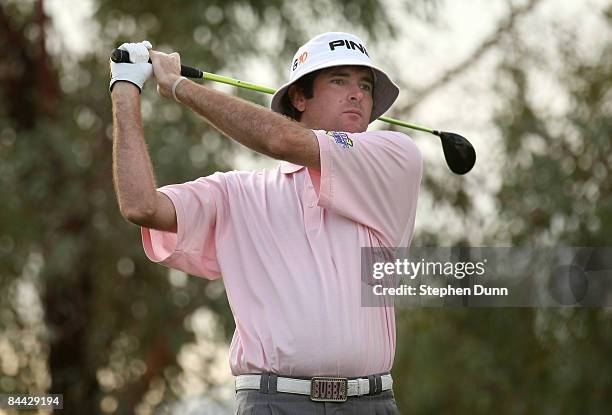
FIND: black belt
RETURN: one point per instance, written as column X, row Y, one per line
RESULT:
column 319, row 388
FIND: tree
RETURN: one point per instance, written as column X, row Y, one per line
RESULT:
column 111, row 324
column 555, row 190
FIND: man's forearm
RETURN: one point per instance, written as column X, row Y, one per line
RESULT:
column 132, row 170
column 253, row 126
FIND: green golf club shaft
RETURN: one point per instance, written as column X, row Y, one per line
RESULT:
column 119, row 55
column 259, row 88
column 458, row 152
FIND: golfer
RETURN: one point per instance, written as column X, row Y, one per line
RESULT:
column 287, row 241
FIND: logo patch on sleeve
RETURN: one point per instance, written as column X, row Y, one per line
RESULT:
column 341, row 139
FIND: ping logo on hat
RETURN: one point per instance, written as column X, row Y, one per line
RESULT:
column 349, row 45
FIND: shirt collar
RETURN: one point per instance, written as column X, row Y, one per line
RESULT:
column 289, row 168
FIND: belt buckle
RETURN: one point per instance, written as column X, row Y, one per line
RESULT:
column 328, row 389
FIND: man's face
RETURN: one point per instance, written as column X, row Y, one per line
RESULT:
column 342, row 100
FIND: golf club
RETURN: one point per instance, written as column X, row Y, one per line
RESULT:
column 458, row 151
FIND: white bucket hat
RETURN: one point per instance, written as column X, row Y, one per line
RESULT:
column 336, row 49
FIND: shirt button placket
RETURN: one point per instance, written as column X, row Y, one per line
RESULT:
column 311, row 214
column 311, row 197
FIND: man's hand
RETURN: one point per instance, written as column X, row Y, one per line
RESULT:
column 167, row 69
column 136, row 72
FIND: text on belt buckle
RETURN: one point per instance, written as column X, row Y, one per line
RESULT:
column 326, row 389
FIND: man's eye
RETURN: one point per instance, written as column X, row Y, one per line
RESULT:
column 366, row 87
column 338, row 81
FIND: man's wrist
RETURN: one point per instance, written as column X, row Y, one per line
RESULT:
column 122, row 85
column 125, row 91
column 175, row 85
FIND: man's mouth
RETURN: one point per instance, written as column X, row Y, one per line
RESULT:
column 354, row 111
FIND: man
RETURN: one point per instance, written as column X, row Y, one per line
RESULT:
column 287, row 241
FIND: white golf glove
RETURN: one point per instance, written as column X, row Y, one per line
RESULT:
column 136, row 72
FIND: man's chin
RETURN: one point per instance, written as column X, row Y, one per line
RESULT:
column 353, row 129
column 352, row 123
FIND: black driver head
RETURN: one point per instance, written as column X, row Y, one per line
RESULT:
column 458, row 152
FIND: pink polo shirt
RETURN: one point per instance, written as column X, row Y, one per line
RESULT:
column 287, row 242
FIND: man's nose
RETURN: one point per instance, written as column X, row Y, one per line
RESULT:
column 355, row 93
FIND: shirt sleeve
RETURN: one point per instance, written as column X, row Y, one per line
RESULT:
column 372, row 178
column 199, row 209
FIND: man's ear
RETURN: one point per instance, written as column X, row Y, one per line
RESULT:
column 296, row 97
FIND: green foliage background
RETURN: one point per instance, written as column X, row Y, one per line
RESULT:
column 102, row 321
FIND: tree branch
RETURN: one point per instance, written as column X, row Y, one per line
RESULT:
column 492, row 40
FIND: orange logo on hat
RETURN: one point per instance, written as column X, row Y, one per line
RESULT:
column 301, row 59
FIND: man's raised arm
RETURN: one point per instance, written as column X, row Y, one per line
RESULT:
column 139, row 201
column 255, row 127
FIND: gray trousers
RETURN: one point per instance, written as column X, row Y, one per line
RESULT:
column 254, row 402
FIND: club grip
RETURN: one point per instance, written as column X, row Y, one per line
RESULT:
column 123, row 56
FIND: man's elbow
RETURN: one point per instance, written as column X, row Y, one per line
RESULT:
column 277, row 148
column 293, row 146
column 138, row 216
